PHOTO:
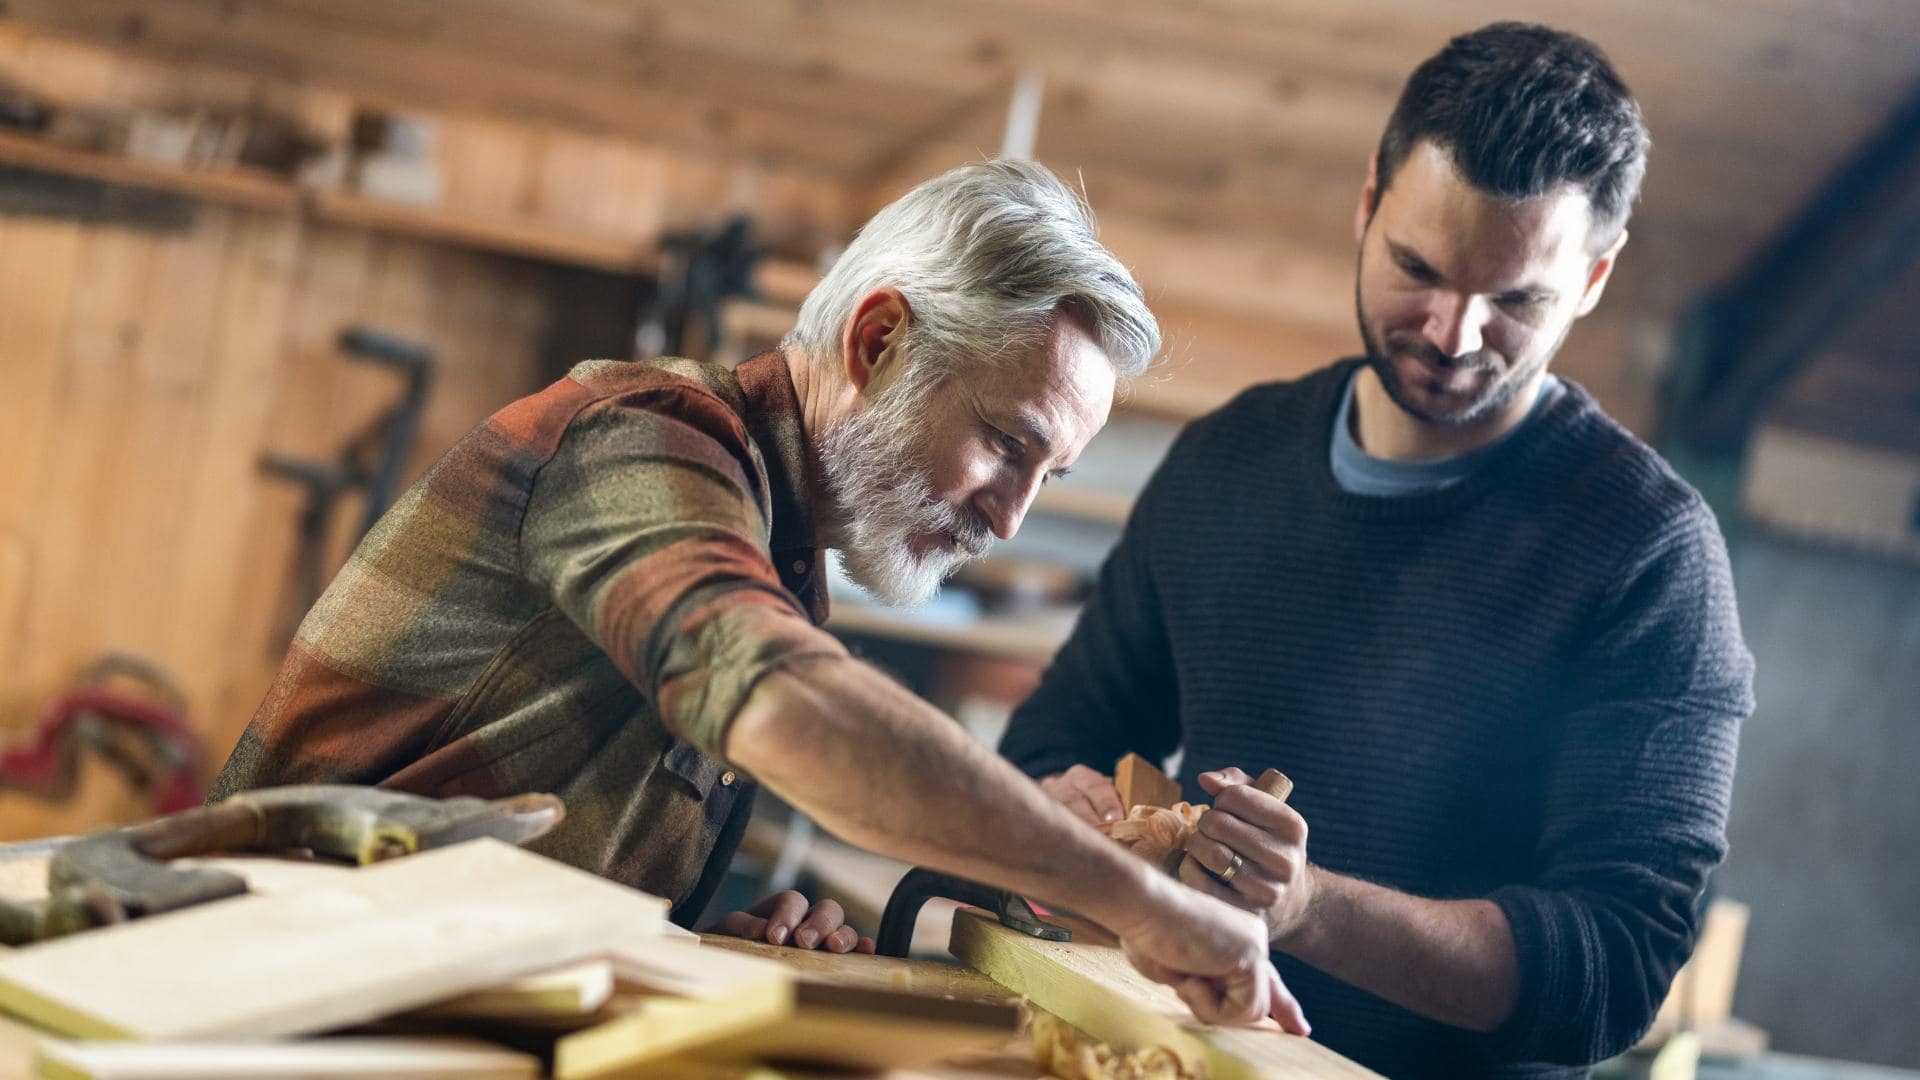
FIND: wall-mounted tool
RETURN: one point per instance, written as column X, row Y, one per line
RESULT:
column 703, row 270
column 370, row 463
column 129, row 712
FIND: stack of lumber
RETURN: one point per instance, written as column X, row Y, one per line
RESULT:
column 476, row 960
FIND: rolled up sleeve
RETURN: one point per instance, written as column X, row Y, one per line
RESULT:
column 648, row 530
column 1638, row 792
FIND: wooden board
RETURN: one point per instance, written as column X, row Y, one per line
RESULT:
column 19, row 1044
column 566, row 993
column 399, row 1058
column 1141, row 783
column 673, row 996
column 871, row 972
column 387, row 938
column 1089, row 983
column 856, row 1028
column 687, row 1009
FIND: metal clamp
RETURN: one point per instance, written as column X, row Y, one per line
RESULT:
column 921, row 885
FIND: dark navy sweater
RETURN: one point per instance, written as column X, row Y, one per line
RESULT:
column 1526, row 687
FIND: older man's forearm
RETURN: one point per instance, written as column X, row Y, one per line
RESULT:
column 884, row 770
column 1448, row 960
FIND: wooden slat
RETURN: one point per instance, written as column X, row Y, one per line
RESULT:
column 847, row 1028
column 37, row 261
column 827, row 1008
column 1089, row 983
column 401, row 934
column 411, row 1058
column 869, row 972
column 674, row 996
column 219, row 484
column 563, row 994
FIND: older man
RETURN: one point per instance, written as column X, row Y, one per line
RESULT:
column 612, row 589
column 1489, row 633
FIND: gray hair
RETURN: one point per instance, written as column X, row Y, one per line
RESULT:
column 988, row 255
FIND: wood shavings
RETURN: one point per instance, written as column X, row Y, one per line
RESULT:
column 1152, row 831
column 1064, row 1051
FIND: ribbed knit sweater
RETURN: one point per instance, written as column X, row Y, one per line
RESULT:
column 1526, row 687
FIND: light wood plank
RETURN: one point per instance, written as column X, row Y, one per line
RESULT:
column 673, row 996
column 407, row 1058
column 576, row 990
column 852, row 1028
column 395, row 936
column 1089, row 983
column 870, row 972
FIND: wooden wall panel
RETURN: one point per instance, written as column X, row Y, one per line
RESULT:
column 149, row 371
column 150, row 363
column 37, row 259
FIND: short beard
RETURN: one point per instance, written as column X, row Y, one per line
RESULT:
column 1497, row 396
column 875, row 468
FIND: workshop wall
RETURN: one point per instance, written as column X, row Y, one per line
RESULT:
column 156, row 345
column 148, row 369
column 1826, row 816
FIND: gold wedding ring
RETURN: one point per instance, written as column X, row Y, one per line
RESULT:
column 1234, row 863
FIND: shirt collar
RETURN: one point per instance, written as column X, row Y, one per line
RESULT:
column 773, row 422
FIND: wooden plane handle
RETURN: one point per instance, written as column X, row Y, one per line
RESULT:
column 1275, row 783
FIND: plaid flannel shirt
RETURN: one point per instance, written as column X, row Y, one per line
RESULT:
column 577, row 598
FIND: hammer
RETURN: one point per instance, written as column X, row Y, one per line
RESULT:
column 124, row 873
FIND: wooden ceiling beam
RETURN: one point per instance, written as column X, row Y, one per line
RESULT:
column 413, row 74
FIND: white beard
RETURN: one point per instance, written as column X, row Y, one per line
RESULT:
column 875, row 471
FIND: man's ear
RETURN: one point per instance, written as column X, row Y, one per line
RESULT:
column 1369, row 197
column 1597, row 277
column 872, row 337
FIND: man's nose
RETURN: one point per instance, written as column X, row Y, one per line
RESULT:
column 1455, row 322
column 1006, row 504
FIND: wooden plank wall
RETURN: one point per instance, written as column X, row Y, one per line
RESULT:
column 150, row 359
column 149, row 371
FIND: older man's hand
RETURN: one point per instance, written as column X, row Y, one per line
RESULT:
column 1089, row 794
column 1214, row 956
column 1258, row 844
column 785, row 918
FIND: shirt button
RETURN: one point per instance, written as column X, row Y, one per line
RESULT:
column 799, row 566
column 726, row 778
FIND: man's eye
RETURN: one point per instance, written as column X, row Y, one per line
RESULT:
column 1009, row 446
column 1418, row 272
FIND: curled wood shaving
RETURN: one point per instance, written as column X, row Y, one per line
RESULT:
column 1065, row 1051
column 1151, row 831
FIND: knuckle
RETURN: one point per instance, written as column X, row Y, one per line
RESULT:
column 1233, row 800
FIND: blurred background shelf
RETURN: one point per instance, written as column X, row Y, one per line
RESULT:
column 233, row 185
